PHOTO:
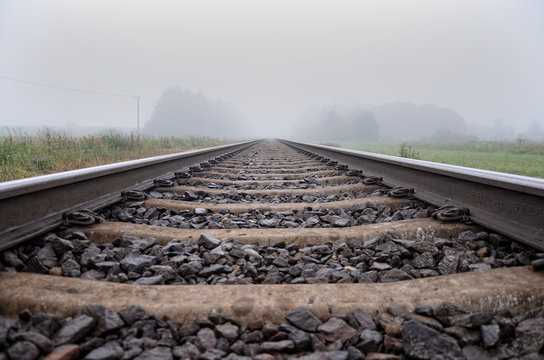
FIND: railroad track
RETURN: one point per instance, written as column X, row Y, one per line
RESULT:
column 272, row 249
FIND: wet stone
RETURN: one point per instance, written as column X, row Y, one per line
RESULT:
column 529, row 336
column 212, row 269
column 133, row 313
column 468, row 236
column 445, row 310
column 44, row 260
column 423, row 342
column 269, row 222
column 93, row 275
column 107, row 320
column 364, row 319
column 12, row 259
column 368, row 277
column 212, row 354
column 228, row 331
column 327, row 355
column 64, row 352
column 208, row 242
column 394, row 275
column 380, row 266
column 471, row 320
column 91, row 344
column 424, row 310
column 472, row 352
column 149, row 280
column 490, row 334
column 300, row 338
column 370, row 340
column 186, row 351
column 206, row 339
column 303, row 319
column 137, row 263
column 158, row 352
column 336, row 329
column 71, row 268
column 538, row 264
column 59, row 244
column 109, row 351
column 74, row 330
column 23, row 350
column 277, row 346
column 424, row 260
column 40, row 340
column 44, row 323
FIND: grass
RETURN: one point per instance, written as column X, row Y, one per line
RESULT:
column 521, row 157
column 24, row 156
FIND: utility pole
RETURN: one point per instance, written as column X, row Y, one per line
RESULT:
column 138, row 114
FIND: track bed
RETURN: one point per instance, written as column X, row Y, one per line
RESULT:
column 269, row 252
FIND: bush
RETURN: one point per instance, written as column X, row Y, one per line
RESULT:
column 407, row 151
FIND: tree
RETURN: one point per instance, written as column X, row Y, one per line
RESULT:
column 182, row 112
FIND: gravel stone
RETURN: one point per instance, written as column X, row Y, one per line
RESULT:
column 490, row 334
column 206, row 339
column 64, row 352
column 424, row 260
column 74, row 330
column 149, row 280
column 228, row 331
column 106, row 319
column 336, row 329
column 303, row 319
column 133, row 313
column 529, row 336
column 158, row 352
column 327, row 355
column 109, row 351
column 208, row 242
column 44, row 260
column 40, row 340
column 370, row 340
column 423, row 342
column 471, row 320
column 136, row 263
column 277, row 346
column 364, row 319
column 23, row 350
column 186, row 351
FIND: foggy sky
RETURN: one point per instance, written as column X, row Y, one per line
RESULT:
column 271, row 60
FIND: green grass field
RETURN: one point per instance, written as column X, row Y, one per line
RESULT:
column 24, row 156
column 519, row 157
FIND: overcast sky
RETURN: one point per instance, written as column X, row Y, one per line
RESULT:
column 270, row 59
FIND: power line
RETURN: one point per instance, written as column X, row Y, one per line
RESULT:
column 65, row 87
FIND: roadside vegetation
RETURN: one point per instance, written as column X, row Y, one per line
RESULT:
column 521, row 157
column 23, row 155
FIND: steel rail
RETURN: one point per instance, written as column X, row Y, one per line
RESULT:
column 32, row 206
column 512, row 205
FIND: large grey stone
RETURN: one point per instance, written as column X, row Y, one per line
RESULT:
column 424, row 342
column 303, row 319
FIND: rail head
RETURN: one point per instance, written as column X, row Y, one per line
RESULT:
column 36, row 183
column 35, row 205
column 509, row 204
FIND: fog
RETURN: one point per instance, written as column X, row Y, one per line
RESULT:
column 276, row 68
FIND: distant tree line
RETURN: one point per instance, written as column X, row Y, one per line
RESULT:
column 393, row 121
column 183, row 112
